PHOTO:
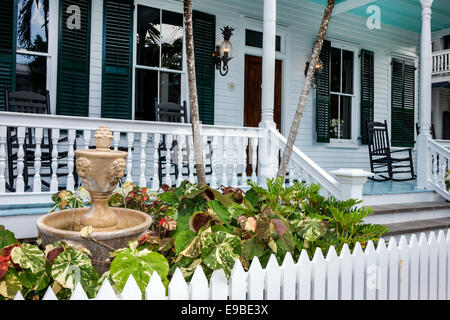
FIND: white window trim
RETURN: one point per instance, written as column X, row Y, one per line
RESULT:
column 415, row 60
column 355, row 119
column 51, row 54
column 168, row 6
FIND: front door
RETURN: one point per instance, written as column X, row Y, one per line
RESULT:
column 252, row 100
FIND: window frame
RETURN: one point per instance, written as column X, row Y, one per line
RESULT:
column 355, row 97
column 183, row 72
column 51, row 54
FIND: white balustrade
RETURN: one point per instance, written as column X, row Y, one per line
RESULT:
column 2, row 158
column 142, row 178
column 439, row 158
column 441, row 62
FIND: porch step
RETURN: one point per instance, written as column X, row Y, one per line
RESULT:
column 418, row 226
column 411, row 212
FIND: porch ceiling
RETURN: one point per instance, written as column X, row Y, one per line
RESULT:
column 405, row 14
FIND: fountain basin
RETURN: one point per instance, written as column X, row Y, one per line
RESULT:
column 65, row 225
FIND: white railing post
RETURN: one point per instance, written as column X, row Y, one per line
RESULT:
column 351, row 182
column 54, row 179
column 2, row 158
column 71, row 136
column 20, row 185
column 130, row 141
column 142, row 178
column 38, row 133
column 155, row 180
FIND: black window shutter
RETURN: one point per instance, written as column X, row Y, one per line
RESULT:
column 367, row 92
column 323, row 95
column 403, row 101
column 73, row 61
column 117, row 58
column 204, row 45
column 8, row 15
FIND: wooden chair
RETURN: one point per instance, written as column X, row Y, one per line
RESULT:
column 172, row 112
column 382, row 161
column 30, row 102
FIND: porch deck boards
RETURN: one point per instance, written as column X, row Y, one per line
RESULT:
column 391, row 187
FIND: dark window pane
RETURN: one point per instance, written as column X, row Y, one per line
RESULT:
column 347, row 72
column 253, row 38
column 31, row 73
column 170, row 87
column 335, row 76
column 146, row 93
column 172, row 40
column 32, row 25
column 334, row 116
column 148, row 36
column 346, row 117
column 278, row 43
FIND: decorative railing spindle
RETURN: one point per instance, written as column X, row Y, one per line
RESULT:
column 142, row 178
column 38, row 133
column 71, row 135
column 254, row 142
column 191, row 158
column 180, row 146
column 2, row 158
column 86, row 138
column 130, row 140
column 234, row 181
column 155, row 180
column 213, row 182
column 224, row 180
column 116, row 140
column 168, row 179
column 54, row 180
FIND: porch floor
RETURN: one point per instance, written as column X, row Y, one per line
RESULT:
column 391, row 187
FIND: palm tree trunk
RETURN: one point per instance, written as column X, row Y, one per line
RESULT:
column 195, row 119
column 306, row 88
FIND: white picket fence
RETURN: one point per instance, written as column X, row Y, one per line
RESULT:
column 418, row 269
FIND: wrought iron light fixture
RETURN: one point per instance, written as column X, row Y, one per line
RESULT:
column 223, row 52
column 318, row 69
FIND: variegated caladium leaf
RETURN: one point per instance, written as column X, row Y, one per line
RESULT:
column 310, row 229
column 7, row 238
column 29, row 256
column 141, row 264
column 10, row 284
column 220, row 250
column 72, row 266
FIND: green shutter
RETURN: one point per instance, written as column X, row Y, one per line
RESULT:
column 403, row 101
column 367, row 92
column 73, row 61
column 323, row 95
column 8, row 16
column 117, row 58
column 204, row 46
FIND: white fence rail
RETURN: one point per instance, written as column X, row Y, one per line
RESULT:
column 440, row 165
column 441, row 62
column 303, row 168
column 40, row 169
column 418, row 269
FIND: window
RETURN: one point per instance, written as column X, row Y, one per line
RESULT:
column 159, row 59
column 255, row 39
column 341, row 93
column 32, row 56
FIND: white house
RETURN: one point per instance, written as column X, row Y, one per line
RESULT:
column 106, row 61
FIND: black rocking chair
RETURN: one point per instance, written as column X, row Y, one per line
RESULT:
column 382, row 163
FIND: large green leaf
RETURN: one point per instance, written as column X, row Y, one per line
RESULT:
column 35, row 280
column 253, row 248
column 73, row 266
column 220, row 250
column 141, row 264
column 252, row 197
column 7, row 238
column 182, row 240
column 220, row 210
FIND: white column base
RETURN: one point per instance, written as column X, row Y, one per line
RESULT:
column 351, row 182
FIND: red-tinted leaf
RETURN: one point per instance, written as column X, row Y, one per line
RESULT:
column 3, row 266
column 199, row 220
column 52, row 254
column 279, row 226
column 143, row 239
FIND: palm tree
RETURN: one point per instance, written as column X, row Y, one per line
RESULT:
column 24, row 22
column 195, row 119
column 306, row 88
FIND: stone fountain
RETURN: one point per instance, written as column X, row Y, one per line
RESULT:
column 101, row 170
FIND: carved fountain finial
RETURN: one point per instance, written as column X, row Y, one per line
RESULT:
column 103, row 138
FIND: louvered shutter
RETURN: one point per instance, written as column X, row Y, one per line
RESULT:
column 8, row 15
column 367, row 92
column 204, row 45
column 323, row 96
column 73, row 61
column 403, row 101
column 117, row 59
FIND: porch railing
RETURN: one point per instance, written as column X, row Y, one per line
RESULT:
column 441, row 62
column 226, row 150
column 440, row 161
column 304, row 168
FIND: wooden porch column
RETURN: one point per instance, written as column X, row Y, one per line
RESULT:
column 423, row 157
column 267, row 160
